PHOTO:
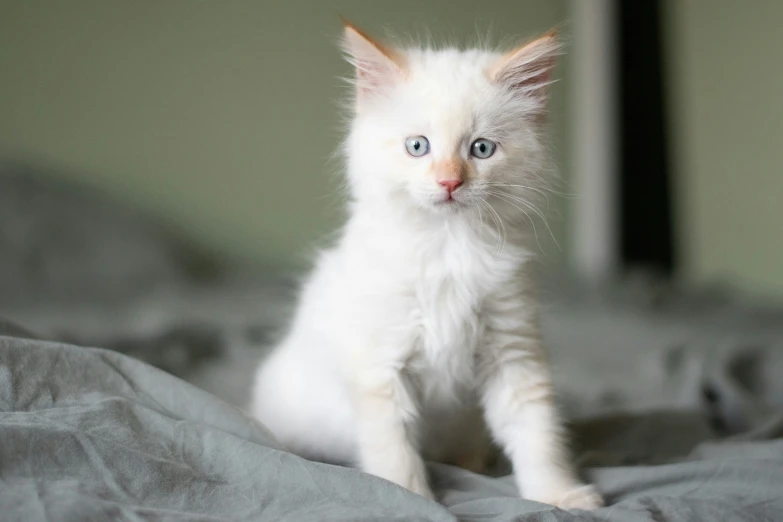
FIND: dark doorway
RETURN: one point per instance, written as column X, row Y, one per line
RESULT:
column 646, row 221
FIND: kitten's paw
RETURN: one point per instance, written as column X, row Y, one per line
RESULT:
column 419, row 485
column 407, row 471
column 412, row 478
column 580, row 496
column 584, row 496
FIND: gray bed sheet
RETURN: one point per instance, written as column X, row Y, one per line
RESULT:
column 675, row 394
column 88, row 434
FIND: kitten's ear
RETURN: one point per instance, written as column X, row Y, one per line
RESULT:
column 377, row 66
column 528, row 68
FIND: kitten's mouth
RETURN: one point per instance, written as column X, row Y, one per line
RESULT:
column 449, row 202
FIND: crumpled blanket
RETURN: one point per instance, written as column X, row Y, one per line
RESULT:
column 91, row 435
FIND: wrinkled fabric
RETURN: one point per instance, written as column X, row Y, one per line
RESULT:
column 92, row 435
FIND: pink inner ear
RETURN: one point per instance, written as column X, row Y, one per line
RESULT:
column 371, row 75
column 376, row 66
column 537, row 82
column 529, row 68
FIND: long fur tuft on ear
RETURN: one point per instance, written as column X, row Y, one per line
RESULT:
column 527, row 69
column 377, row 66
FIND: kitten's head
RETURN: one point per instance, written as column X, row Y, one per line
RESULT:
column 441, row 130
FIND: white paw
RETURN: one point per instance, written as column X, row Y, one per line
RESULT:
column 579, row 496
column 412, row 477
column 418, row 484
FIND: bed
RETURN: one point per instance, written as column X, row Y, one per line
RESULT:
column 126, row 353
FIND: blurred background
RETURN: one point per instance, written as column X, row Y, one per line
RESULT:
column 166, row 166
column 221, row 120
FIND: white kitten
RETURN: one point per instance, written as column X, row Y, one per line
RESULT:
column 423, row 315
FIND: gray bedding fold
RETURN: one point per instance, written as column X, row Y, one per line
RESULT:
column 88, row 434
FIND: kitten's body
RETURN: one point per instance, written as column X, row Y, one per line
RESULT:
column 422, row 315
column 435, row 344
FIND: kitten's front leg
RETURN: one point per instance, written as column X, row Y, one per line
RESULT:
column 387, row 414
column 519, row 406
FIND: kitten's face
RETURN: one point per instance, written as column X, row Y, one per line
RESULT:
column 446, row 130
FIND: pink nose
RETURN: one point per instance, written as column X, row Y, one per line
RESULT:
column 450, row 184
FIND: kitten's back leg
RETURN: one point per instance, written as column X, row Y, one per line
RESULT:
column 304, row 407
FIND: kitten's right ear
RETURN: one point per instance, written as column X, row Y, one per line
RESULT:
column 527, row 69
column 377, row 66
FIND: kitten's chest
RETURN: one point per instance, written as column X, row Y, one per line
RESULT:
column 448, row 333
column 450, row 303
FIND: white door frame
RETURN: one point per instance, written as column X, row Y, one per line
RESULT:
column 594, row 228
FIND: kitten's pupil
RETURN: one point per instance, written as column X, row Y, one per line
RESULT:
column 416, row 145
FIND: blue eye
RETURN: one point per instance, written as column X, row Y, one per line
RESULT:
column 417, row 146
column 482, row 148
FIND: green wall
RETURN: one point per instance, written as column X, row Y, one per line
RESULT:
column 221, row 117
column 726, row 61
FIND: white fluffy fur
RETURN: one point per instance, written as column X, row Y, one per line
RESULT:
column 422, row 316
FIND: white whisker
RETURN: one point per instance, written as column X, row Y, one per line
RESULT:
column 534, row 209
column 532, row 222
column 499, row 221
column 541, row 189
column 497, row 246
column 534, row 189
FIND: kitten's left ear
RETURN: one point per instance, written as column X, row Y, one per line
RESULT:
column 528, row 69
column 377, row 66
